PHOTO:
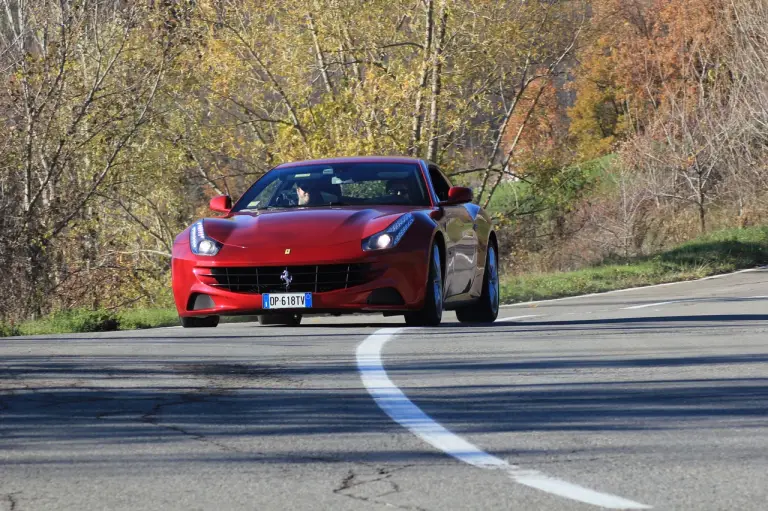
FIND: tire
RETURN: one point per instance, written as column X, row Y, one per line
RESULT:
column 486, row 308
column 432, row 312
column 284, row 319
column 194, row 322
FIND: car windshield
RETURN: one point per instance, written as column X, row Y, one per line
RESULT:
column 337, row 184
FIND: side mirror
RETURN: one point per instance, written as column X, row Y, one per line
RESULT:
column 458, row 195
column 221, row 203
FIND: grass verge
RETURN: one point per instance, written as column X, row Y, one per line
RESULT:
column 83, row 320
column 718, row 252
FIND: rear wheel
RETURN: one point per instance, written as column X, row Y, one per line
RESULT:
column 486, row 309
column 284, row 319
column 432, row 313
column 194, row 322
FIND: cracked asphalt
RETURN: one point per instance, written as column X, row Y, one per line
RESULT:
column 662, row 403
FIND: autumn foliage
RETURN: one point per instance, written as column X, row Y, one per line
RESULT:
column 590, row 128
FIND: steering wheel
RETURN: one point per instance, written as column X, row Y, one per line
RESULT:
column 286, row 198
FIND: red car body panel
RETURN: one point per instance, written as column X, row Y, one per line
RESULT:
column 319, row 227
column 333, row 235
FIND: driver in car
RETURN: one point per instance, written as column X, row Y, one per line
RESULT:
column 304, row 192
column 317, row 193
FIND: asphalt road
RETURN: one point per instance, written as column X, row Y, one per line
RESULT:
column 662, row 404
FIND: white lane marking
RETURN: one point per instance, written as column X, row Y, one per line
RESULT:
column 513, row 318
column 693, row 300
column 711, row 277
column 403, row 411
column 646, row 305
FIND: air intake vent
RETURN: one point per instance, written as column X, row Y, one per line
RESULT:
column 267, row 279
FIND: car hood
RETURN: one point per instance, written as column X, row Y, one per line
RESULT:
column 301, row 227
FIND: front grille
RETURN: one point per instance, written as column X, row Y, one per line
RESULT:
column 314, row 279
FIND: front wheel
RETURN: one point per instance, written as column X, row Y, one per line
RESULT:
column 284, row 319
column 194, row 322
column 486, row 309
column 432, row 312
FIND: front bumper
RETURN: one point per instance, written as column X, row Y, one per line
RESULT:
column 402, row 269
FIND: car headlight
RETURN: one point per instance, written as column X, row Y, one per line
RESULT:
column 390, row 236
column 199, row 243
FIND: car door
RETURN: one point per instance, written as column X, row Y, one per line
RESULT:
column 461, row 242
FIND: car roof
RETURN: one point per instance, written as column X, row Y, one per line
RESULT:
column 351, row 159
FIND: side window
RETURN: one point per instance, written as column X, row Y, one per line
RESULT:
column 440, row 183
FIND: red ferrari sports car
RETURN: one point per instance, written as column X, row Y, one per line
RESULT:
column 335, row 236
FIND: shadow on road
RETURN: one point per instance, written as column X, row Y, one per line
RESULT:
column 330, row 330
column 139, row 398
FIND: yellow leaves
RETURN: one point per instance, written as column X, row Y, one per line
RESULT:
column 594, row 120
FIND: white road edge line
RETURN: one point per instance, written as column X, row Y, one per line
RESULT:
column 403, row 411
column 689, row 300
column 515, row 318
column 711, row 277
column 646, row 305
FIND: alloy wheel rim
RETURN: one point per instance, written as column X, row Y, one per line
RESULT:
column 437, row 281
column 493, row 280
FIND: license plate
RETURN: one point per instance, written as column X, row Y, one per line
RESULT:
column 286, row 300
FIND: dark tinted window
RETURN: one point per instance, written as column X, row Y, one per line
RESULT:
column 352, row 184
column 439, row 182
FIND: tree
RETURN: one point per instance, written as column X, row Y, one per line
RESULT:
column 79, row 86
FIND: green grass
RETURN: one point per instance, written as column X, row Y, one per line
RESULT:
column 717, row 252
column 134, row 319
column 83, row 320
column 7, row 330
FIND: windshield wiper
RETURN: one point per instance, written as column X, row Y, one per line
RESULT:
column 256, row 210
